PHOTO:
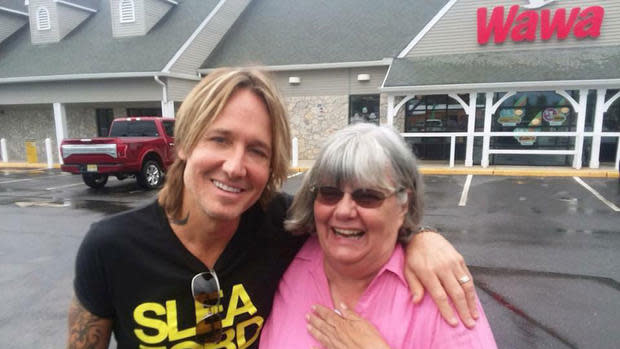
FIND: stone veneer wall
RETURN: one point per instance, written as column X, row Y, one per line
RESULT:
column 399, row 120
column 120, row 112
column 314, row 118
column 19, row 124
column 36, row 122
column 81, row 122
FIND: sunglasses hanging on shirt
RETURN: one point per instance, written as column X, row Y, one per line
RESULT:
column 206, row 291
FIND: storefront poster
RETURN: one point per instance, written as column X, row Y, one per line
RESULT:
column 536, row 121
column 526, row 140
column 510, row 116
column 556, row 116
column 521, row 102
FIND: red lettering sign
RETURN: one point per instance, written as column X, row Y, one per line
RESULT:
column 524, row 26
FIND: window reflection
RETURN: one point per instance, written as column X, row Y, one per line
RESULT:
column 435, row 113
column 364, row 108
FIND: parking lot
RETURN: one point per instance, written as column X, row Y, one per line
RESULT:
column 543, row 251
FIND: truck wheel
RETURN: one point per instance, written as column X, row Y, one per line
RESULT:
column 151, row 175
column 95, row 180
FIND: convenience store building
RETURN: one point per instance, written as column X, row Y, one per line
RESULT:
column 472, row 82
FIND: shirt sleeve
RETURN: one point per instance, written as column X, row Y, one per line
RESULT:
column 91, row 285
column 479, row 337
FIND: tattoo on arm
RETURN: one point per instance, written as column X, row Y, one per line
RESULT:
column 87, row 331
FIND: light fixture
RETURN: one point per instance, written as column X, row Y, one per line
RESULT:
column 363, row 77
column 294, row 80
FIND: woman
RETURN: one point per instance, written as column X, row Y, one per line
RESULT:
column 202, row 262
column 362, row 198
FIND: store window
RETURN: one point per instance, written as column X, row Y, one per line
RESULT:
column 537, row 111
column 611, row 123
column 169, row 128
column 611, row 119
column 104, row 120
column 435, row 113
column 364, row 108
column 143, row 111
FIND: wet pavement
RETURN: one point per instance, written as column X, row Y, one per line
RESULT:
column 543, row 252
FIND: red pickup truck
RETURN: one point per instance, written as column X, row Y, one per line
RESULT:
column 141, row 147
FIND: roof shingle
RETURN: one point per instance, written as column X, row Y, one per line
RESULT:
column 92, row 49
column 277, row 32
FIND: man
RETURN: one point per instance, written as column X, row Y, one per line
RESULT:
column 219, row 213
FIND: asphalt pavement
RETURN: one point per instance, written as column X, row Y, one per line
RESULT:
column 543, row 251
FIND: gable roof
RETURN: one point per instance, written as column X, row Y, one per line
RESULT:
column 277, row 32
column 91, row 48
column 509, row 68
column 15, row 5
column 92, row 4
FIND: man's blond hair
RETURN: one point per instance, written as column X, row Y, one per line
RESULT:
column 199, row 110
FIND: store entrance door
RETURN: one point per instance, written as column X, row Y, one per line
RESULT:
column 104, row 120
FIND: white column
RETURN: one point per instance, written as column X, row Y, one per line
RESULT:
column 580, row 108
column 581, row 124
column 471, row 128
column 60, row 120
column 452, row 147
column 391, row 112
column 617, row 165
column 470, row 109
column 488, row 121
column 598, row 128
column 393, row 109
column 5, row 155
column 295, row 152
column 489, row 110
column 167, row 109
column 48, row 153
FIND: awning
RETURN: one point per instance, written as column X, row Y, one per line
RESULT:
column 592, row 67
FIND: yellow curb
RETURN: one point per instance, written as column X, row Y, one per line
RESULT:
column 36, row 165
column 549, row 173
column 429, row 170
column 531, row 172
column 456, row 171
column 297, row 169
column 493, row 171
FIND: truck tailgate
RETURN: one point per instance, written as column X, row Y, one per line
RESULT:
column 91, row 149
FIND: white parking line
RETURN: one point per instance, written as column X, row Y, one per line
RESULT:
column 27, row 179
column 16, row 180
column 598, row 196
column 465, row 192
column 64, row 186
column 23, row 204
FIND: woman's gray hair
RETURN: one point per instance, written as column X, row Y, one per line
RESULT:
column 366, row 156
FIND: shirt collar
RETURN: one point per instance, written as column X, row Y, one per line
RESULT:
column 394, row 265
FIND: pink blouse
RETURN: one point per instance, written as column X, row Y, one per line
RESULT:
column 386, row 303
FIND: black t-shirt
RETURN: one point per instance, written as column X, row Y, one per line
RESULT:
column 132, row 267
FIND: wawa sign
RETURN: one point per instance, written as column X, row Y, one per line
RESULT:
column 533, row 23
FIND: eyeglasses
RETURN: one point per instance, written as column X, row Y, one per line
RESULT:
column 366, row 198
column 206, row 291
